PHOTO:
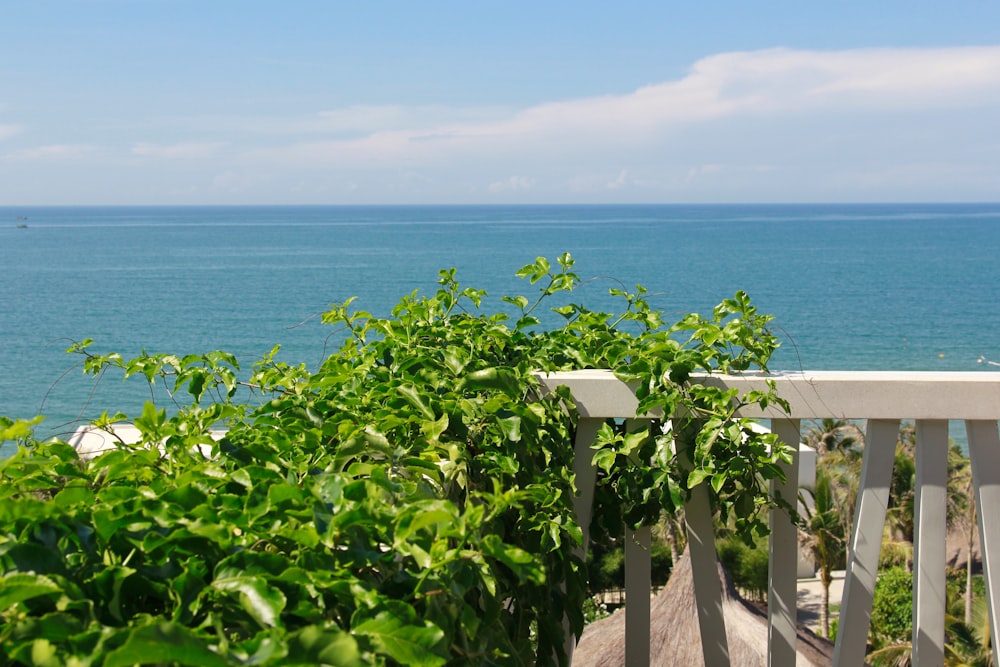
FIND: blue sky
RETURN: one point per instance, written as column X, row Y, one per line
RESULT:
column 225, row 102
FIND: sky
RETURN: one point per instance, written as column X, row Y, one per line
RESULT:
column 158, row 102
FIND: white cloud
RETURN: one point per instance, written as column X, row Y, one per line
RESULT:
column 512, row 184
column 8, row 131
column 705, row 169
column 784, row 79
column 180, row 151
column 340, row 123
column 361, row 118
column 620, row 181
column 767, row 83
column 770, row 125
column 55, row 152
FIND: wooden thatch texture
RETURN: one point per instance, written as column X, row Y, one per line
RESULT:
column 676, row 640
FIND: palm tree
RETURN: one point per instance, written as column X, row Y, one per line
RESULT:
column 835, row 435
column 671, row 529
column 824, row 536
column 839, row 446
column 970, row 643
column 903, row 492
column 960, row 509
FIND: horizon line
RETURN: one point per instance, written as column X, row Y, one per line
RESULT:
column 516, row 204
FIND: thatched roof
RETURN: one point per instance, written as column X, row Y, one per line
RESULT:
column 675, row 638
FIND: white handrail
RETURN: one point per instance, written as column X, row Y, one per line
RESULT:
column 880, row 398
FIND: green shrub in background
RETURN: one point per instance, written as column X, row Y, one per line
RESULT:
column 747, row 565
column 407, row 503
column 892, row 607
column 606, row 569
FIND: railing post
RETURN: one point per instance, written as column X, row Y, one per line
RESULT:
column 704, row 559
column 638, row 584
column 585, row 475
column 783, row 561
column 866, row 542
column 930, row 529
column 984, row 453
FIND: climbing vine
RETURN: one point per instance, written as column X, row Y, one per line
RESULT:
column 409, row 502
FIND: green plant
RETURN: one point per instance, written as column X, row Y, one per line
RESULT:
column 594, row 610
column 407, row 503
column 892, row 608
column 606, row 565
column 747, row 565
column 968, row 641
column 823, row 536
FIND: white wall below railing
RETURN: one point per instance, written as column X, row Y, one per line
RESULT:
column 883, row 399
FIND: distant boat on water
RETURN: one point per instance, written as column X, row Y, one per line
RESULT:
column 22, row 225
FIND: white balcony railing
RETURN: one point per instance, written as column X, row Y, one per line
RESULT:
column 883, row 399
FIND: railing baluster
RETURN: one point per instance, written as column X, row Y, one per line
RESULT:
column 638, row 586
column 984, row 453
column 784, row 556
column 930, row 514
column 704, row 571
column 585, row 475
column 583, row 504
column 638, row 583
column 866, row 542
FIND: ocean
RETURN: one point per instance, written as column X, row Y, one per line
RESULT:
column 881, row 286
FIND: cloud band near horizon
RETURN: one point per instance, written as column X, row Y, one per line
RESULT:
column 860, row 124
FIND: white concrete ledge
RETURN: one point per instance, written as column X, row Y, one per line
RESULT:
column 816, row 394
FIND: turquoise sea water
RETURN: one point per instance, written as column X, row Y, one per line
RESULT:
column 912, row 287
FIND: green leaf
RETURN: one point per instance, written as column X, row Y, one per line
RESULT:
column 604, row 459
column 413, row 397
column 196, row 386
column 164, row 642
column 718, row 481
column 317, row 646
column 697, row 476
column 424, row 514
column 18, row 429
column 455, row 363
column 31, row 557
column 20, row 586
column 74, row 495
column 44, row 654
column 522, row 563
column 263, row 602
column 432, row 430
column 500, row 379
column 511, row 427
column 409, row 643
column 377, row 440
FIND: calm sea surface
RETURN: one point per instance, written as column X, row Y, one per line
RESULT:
column 912, row 287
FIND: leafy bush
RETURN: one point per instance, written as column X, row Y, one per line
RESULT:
column 746, row 565
column 606, row 566
column 408, row 503
column 892, row 607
